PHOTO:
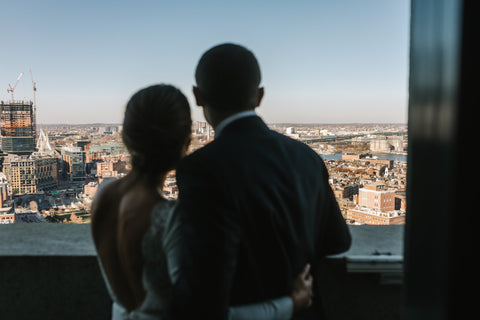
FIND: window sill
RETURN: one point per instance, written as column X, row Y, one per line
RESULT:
column 46, row 239
column 375, row 249
column 59, row 260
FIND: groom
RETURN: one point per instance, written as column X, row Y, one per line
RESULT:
column 254, row 206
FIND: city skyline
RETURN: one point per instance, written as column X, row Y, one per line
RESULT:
column 58, row 181
column 322, row 62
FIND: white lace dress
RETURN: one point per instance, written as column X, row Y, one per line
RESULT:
column 157, row 282
column 155, row 277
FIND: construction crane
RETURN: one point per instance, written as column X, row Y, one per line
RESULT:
column 34, row 113
column 10, row 89
column 34, row 89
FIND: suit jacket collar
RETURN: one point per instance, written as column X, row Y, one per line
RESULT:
column 242, row 120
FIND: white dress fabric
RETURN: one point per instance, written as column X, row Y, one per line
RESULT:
column 156, row 282
column 155, row 277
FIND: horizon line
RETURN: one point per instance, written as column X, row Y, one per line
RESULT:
column 272, row 123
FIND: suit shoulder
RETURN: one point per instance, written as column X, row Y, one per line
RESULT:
column 298, row 146
column 199, row 164
column 202, row 154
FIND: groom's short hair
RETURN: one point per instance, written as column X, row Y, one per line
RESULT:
column 228, row 76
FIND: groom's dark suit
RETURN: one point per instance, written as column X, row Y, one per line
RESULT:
column 254, row 207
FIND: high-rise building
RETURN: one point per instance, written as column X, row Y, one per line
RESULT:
column 376, row 205
column 30, row 174
column 376, row 196
column 74, row 161
column 34, row 172
column 388, row 144
column 17, row 123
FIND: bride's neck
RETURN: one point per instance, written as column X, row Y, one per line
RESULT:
column 148, row 181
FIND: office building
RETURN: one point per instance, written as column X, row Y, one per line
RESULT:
column 74, row 163
column 17, row 122
column 30, row 174
column 376, row 206
column 375, row 196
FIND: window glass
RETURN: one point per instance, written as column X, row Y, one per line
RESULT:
column 334, row 73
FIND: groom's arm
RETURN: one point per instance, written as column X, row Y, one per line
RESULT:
column 202, row 257
column 336, row 235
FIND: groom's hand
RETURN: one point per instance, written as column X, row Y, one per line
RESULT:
column 302, row 290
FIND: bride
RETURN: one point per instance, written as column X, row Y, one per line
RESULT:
column 129, row 214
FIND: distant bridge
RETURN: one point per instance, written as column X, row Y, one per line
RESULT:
column 328, row 139
column 338, row 139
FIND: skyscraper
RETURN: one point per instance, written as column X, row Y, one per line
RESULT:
column 17, row 123
column 35, row 172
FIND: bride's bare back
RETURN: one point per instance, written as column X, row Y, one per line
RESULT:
column 120, row 218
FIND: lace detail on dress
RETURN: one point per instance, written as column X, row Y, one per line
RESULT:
column 155, row 273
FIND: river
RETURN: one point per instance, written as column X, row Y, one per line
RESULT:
column 380, row 156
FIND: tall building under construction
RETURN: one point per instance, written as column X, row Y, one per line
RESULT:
column 17, row 123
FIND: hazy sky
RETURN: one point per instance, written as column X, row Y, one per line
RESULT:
column 321, row 61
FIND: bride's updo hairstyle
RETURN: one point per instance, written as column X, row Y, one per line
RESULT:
column 156, row 129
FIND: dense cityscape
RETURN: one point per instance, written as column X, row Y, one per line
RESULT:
column 51, row 173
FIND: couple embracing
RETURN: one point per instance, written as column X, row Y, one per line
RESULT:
column 254, row 217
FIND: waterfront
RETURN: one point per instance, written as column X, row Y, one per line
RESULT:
column 380, row 156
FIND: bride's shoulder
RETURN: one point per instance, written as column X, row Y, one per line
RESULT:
column 105, row 202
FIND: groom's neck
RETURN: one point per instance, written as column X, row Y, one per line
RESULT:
column 214, row 117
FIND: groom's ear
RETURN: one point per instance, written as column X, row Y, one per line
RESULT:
column 260, row 94
column 198, row 97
